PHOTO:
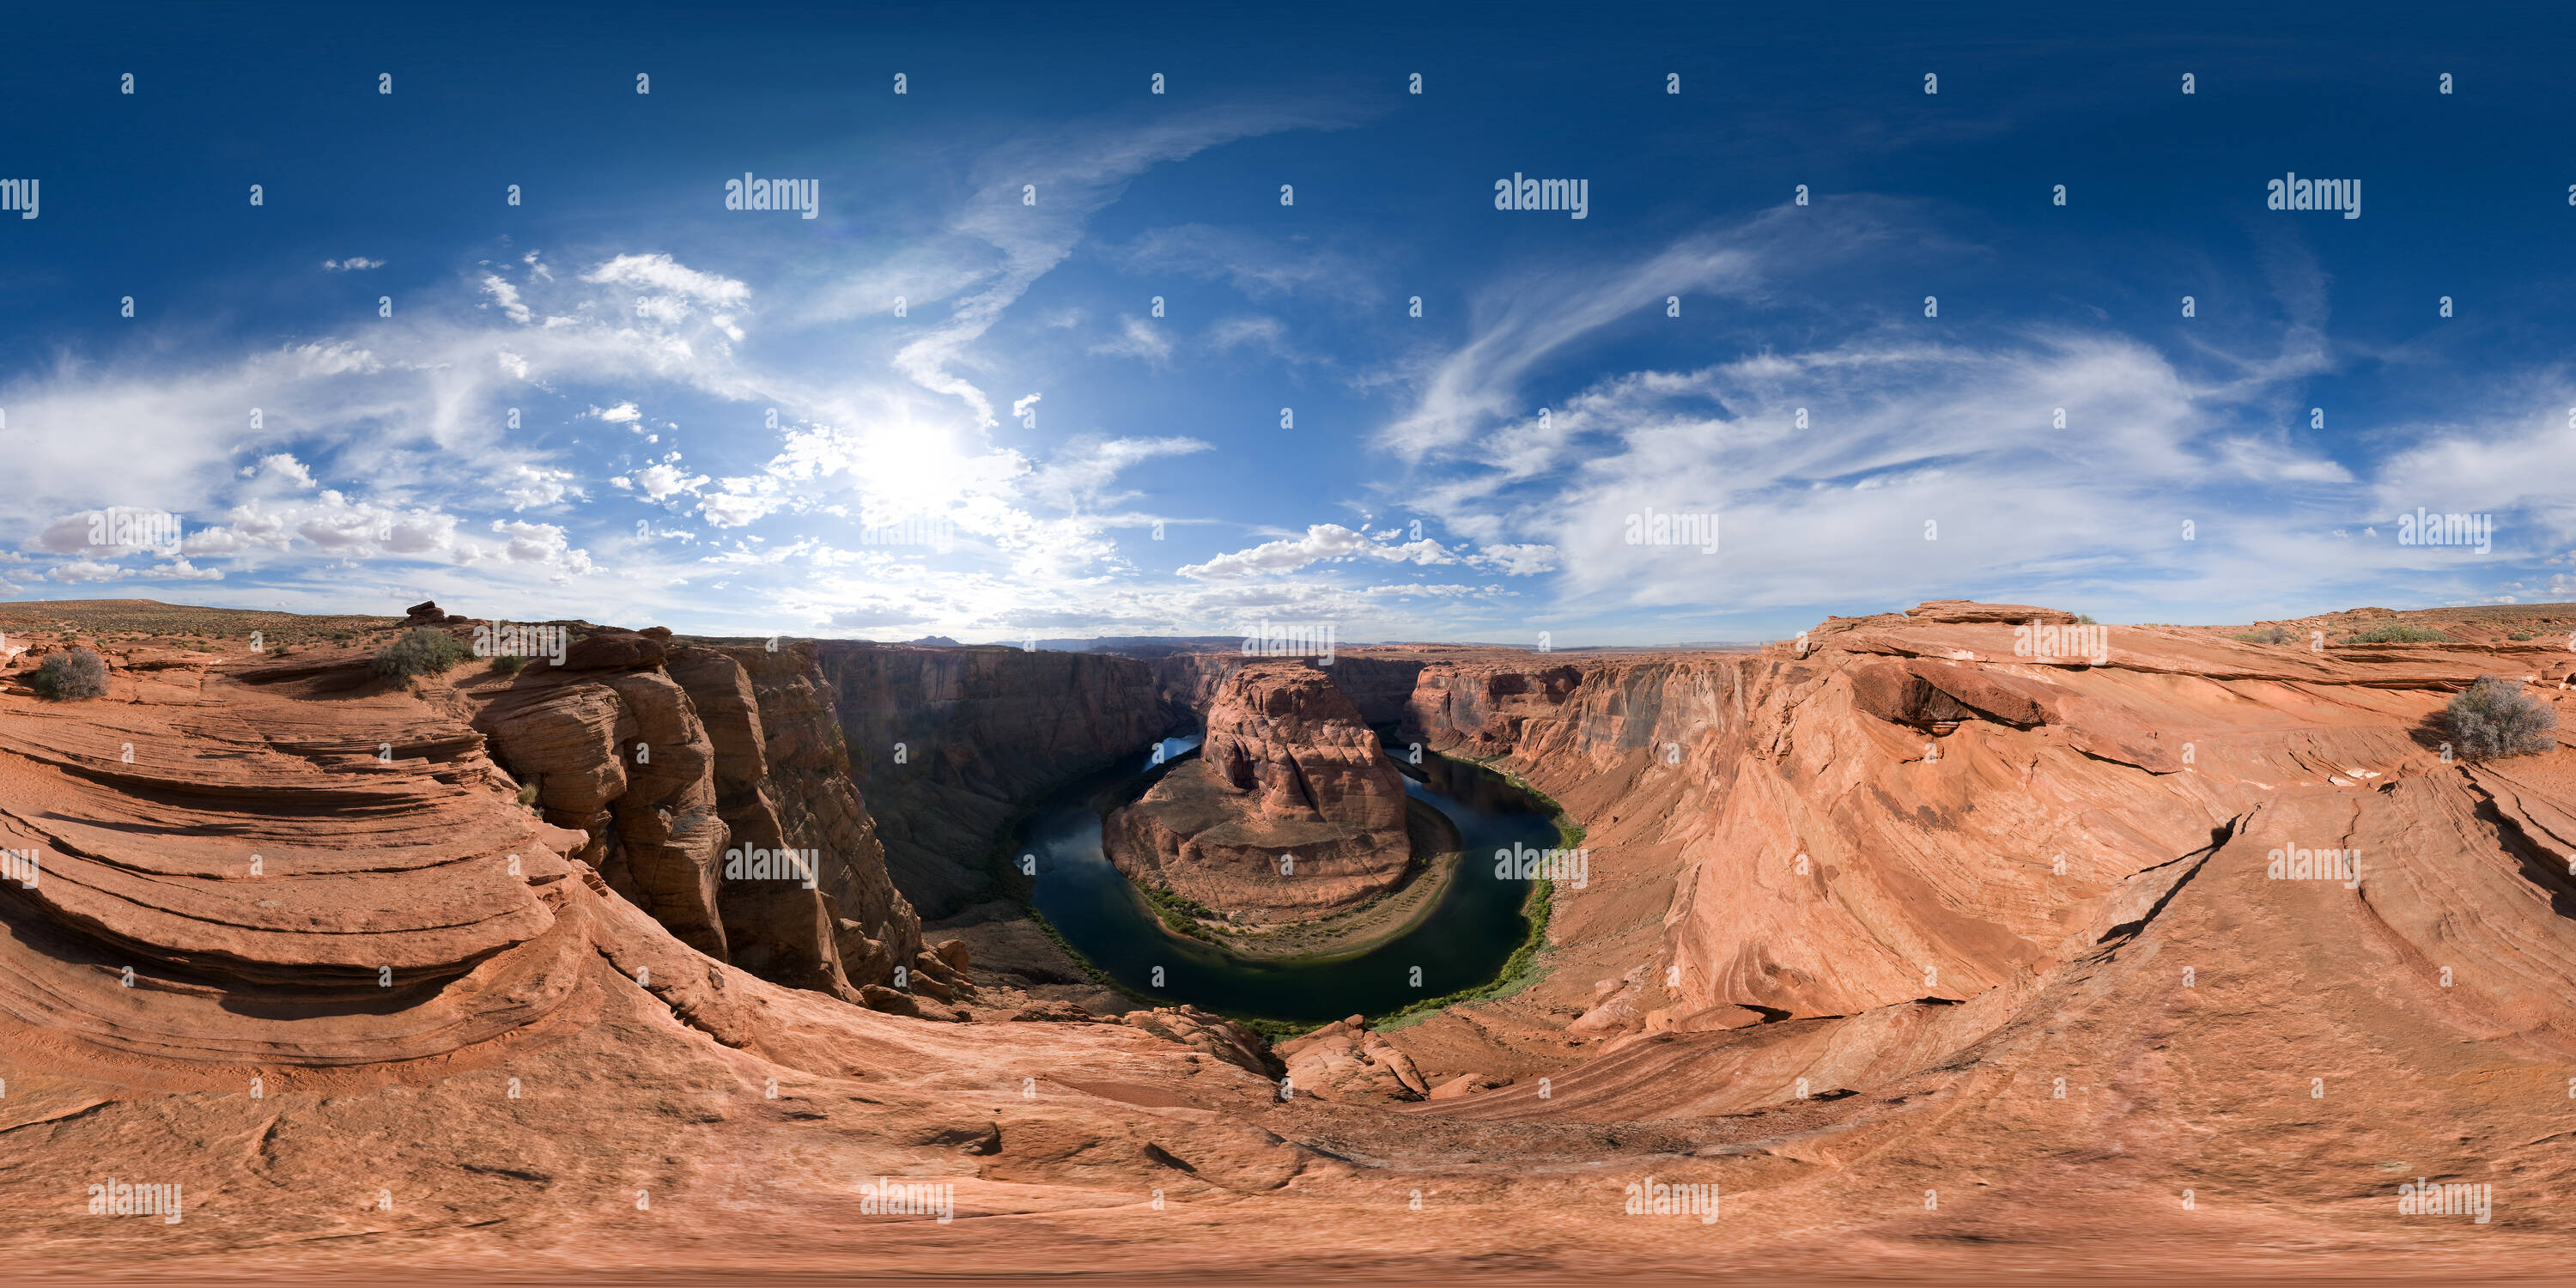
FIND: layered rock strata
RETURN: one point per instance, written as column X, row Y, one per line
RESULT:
column 949, row 745
column 1289, row 810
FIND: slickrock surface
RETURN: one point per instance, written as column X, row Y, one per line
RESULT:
column 1288, row 776
column 2035, row 997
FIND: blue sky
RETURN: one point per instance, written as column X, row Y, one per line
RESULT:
column 723, row 426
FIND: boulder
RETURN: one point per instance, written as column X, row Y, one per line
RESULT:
column 1467, row 1084
column 1344, row 1062
column 1209, row 1033
column 566, row 741
column 615, row 650
column 878, row 997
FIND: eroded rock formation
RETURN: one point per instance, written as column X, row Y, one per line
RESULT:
column 1290, row 808
column 713, row 788
column 1897, row 916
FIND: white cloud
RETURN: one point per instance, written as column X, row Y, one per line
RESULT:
column 284, row 467
column 997, row 245
column 85, row 570
column 1078, row 477
column 672, row 278
column 1139, row 339
column 353, row 264
column 742, row 501
column 537, row 485
column 1326, row 542
column 182, row 570
column 1516, row 560
column 664, row 479
column 507, row 296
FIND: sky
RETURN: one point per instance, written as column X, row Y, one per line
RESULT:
column 1198, row 320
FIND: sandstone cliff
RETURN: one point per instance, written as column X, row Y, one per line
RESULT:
column 712, row 787
column 1378, row 680
column 950, row 744
column 2039, row 983
column 1290, row 809
column 1901, row 807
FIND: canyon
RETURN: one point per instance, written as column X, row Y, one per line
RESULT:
column 1920, row 945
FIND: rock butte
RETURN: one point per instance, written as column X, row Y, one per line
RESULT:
column 2004, row 919
column 1287, row 772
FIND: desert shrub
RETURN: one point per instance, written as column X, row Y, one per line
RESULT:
column 2519, row 635
column 2494, row 717
column 423, row 652
column 508, row 663
column 2395, row 633
column 77, row 673
column 2085, row 619
column 2273, row 635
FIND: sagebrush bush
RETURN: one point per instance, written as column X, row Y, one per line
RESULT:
column 424, row 651
column 2275, row 635
column 509, row 663
column 78, row 673
column 2395, row 633
column 2494, row 717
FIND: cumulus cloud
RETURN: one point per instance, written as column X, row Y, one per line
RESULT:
column 85, row 570
column 534, row 486
column 353, row 264
column 284, row 468
column 182, row 570
column 663, row 479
